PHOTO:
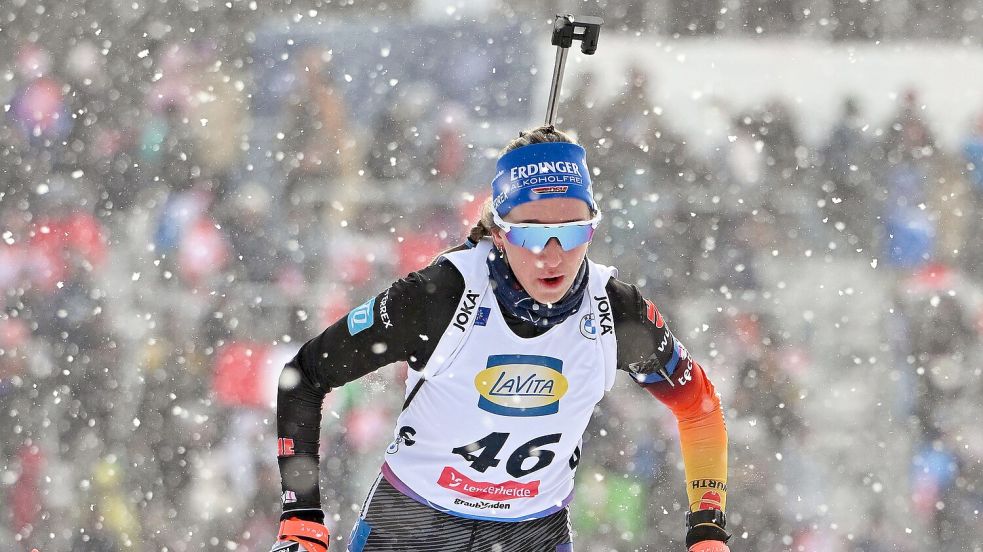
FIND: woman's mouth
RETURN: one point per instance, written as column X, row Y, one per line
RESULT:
column 551, row 282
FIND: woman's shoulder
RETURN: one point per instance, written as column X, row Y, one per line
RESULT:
column 619, row 289
column 629, row 304
column 438, row 279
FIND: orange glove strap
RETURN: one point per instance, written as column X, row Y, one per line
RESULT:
column 313, row 536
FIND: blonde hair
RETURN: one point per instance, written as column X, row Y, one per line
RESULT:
column 485, row 224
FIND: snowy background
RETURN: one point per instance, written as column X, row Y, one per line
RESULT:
column 190, row 189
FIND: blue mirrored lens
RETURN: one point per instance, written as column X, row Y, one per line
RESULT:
column 536, row 238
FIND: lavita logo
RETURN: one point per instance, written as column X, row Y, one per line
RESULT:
column 464, row 312
column 521, row 385
column 604, row 310
column 532, row 386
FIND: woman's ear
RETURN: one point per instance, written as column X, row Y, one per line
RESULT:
column 496, row 236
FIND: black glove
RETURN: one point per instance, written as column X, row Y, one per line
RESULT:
column 703, row 525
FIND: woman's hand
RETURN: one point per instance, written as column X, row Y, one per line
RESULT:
column 709, row 546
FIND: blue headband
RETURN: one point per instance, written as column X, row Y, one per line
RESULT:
column 541, row 171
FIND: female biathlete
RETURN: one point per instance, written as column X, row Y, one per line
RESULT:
column 512, row 339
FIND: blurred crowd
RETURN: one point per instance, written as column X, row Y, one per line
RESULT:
column 165, row 249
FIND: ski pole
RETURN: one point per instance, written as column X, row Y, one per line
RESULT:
column 566, row 29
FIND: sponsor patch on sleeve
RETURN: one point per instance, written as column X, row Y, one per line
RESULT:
column 710, row 501
column 284, row 446
column 361, row 317
column 653, row 314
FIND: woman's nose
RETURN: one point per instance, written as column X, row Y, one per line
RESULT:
column 552, row 254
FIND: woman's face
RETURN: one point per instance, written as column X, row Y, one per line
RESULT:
column 547, row 275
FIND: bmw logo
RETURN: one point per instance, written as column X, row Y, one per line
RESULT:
column 587, row 327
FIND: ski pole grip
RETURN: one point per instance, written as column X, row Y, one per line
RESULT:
column 585, row 28
column 566, row 29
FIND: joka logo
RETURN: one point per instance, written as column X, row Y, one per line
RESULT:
column 362, row 317
column 604, row 309
column 288, row 497
column 284, row 447
column 521, row 385
column 465, row 310
column 508, row 490
column 587, row 327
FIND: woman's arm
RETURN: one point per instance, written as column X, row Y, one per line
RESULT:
column 703, row 440
column 404, row 322
column 649, row 351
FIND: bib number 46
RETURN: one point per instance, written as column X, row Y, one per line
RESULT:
column 483, row 453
